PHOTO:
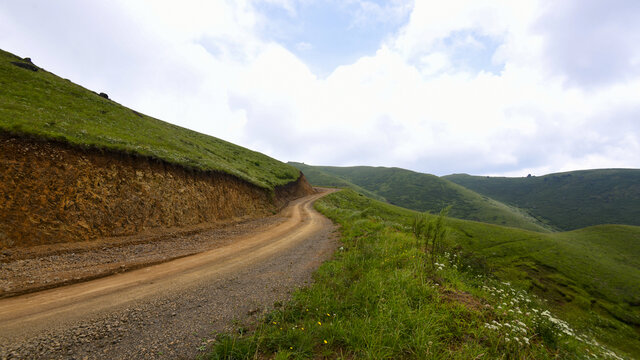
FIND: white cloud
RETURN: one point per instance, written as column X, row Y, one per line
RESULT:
column 433, row 63
column 205, row 65
column 590, row 42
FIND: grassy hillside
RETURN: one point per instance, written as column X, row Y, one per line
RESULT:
column 318, row 177
column 42, row 105
column 590, row 276
column 494, row 292
column 424, row 192
column 569, row 200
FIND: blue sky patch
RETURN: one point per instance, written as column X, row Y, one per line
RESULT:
column 472, row 51
column 327, row 34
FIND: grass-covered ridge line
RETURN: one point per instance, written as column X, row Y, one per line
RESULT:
column 42, row 105
column 380, row 299
column 569, row 200
column 422, row 192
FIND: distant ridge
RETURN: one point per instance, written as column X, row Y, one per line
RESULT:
column 568, row 200
column 422, row 192
column 322, row 178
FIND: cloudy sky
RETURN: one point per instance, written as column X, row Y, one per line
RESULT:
column 477, row 86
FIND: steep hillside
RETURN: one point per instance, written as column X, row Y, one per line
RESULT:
column 569, row 200
column 37, row 103
column 76, row 166
column 424, row 192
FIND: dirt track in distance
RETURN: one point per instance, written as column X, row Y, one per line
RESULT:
column 170, row 310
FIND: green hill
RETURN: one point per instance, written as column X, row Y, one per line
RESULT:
column 318, row 177
column 569, row 200
column 36, row 103
column 422, row 192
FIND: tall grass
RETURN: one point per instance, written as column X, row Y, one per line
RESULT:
column 430, row 234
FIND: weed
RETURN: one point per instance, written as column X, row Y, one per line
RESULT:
column 430, row 234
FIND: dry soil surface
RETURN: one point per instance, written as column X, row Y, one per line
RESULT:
column 168, row 310
column 35, row 268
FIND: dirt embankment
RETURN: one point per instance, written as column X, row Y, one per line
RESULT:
column 166, row 310
column 53, row 193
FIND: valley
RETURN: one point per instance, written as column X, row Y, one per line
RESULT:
column 569, row 200
column 423, row 192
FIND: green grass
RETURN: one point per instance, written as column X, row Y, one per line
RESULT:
column 602, row 260
column 422, row 192
column 41, row 105
column 378, row 299
column 569, row 200
column 590, row 276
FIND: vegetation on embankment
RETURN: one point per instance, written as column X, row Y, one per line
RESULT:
column 569, row 200
column 421, row 192
column 380, row 298
column 36, row 103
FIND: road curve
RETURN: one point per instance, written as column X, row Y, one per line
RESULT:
column 27, row 316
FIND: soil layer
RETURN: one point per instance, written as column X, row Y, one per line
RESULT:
column 52, row 193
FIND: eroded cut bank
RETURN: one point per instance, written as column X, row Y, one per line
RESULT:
column 53, row 193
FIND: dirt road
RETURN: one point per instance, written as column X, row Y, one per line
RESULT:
column 169, row 310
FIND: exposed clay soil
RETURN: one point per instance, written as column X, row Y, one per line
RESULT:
column 52, row 193
column 463, row 298
column 110, row 256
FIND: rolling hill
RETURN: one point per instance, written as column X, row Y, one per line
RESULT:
column 569, row 200
column 322, row 178
column 421, row 192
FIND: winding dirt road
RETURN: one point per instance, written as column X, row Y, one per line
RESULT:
column 171, row 309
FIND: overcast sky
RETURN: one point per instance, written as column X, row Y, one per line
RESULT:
column 484, row 87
